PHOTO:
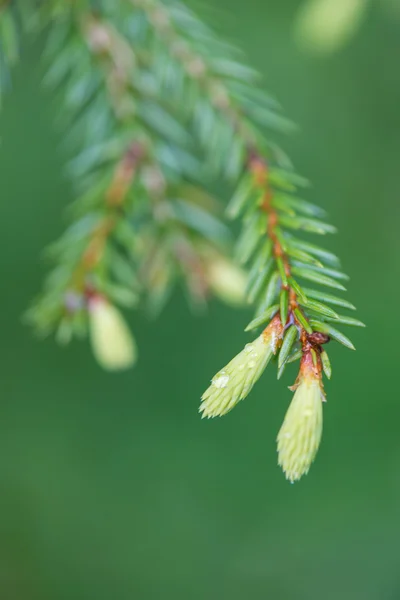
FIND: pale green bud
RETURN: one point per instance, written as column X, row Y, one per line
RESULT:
column 234, row 382
column 112, row 342
column 326, row 25
column 227, row 281
column 300, row 435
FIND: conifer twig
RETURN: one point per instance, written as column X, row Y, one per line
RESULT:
column 156, row 109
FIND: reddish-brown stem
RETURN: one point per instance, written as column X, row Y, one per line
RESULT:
column 311, row 361
column 197, row 69
column 259, row 169
column 116, row 59
column 114, row 200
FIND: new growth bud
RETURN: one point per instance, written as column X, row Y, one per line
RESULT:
column 324, row 26
column 227, row 281
column 112, row 342
column 300, row 435
column 234, row 382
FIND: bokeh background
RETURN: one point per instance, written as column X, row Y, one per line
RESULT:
column 111, row 487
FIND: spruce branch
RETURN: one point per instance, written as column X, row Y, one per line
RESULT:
column 155, row 109
column 273, row 216
column 143, row 219
column 228, row 111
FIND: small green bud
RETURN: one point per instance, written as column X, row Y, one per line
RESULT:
column 300, row 435
column 234, row 382
column 112, row 341
column 227, row 281
column 326, row 25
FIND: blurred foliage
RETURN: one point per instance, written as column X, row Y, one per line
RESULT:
column 131, row 76
column 325, row 26
column 114, row 488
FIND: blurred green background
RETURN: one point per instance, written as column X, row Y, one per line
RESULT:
column 111, row 487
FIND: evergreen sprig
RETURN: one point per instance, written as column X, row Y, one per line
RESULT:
column 155, row 109
column 303, row 320
column 143, row 218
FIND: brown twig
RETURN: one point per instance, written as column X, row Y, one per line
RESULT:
column 114, row 199
column 259, row 170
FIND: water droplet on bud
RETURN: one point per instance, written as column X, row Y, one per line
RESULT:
column 221, row 380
